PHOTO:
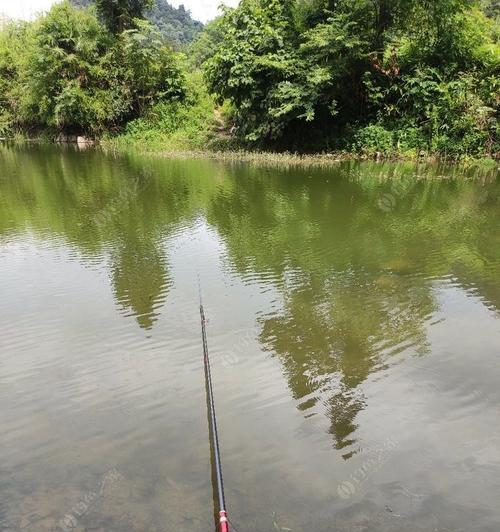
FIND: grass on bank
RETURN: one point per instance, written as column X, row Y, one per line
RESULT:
column 172, row 125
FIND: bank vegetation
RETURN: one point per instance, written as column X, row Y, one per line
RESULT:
column 369, row 77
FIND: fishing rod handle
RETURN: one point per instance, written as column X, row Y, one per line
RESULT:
column 223, row 522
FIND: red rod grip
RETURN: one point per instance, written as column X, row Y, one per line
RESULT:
column 223, row 522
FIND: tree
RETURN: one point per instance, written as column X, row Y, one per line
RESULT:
column 147, row 68
column 206, row 43
column 65, row 84
column 119, row 15
column 307, row 75
column 73, row 76
column 256, row 55
column 13, row 39
column 174, row 23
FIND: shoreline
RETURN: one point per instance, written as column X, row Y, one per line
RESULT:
column 268, row 158
column 290, row 159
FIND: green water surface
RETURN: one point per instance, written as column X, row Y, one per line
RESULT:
column 353, row 324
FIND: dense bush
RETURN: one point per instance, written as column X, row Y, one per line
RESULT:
column 67, row 73
column 205, row 44
column 410, row 74
column 12, row 46
column 373, row 139
column 175, row 124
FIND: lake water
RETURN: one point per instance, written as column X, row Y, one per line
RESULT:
column 353, row 324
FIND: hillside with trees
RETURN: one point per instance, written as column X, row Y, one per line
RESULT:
column 175, row 23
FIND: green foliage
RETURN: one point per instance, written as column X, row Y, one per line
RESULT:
column 250, row 67
column 67, row 73
column 491, row 8
column 147, row 68
column 119, row 15
column 61, row 71
column 409, row 74
column 430, row 112
column 372, row 139
column 174, row 23
column 12, row 44
column 206, row 43
column 175, row 124
column 387, row 76
column 452, row 40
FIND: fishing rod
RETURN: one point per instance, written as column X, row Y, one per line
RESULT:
column 223, row 520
